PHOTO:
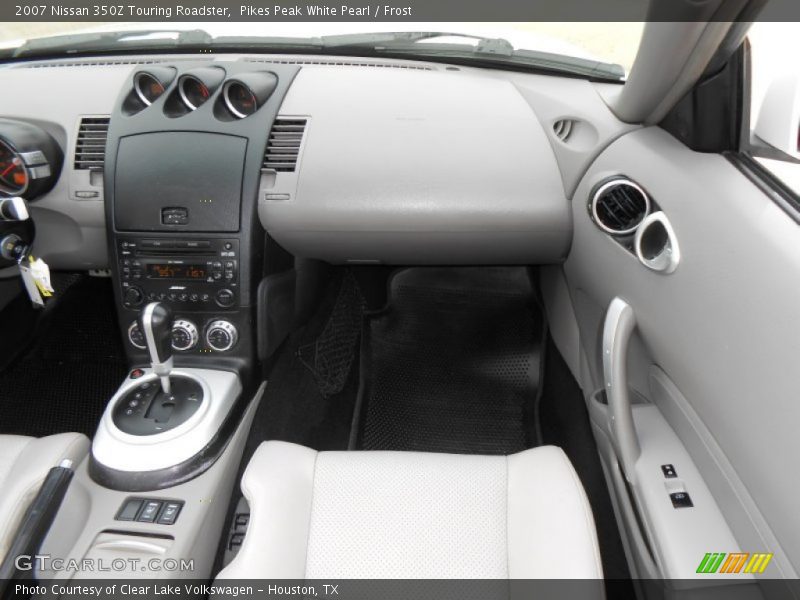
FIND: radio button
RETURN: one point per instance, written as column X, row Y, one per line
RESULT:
column 133, row 297
column 194, row 244
column 151, row 244
column 225, row 298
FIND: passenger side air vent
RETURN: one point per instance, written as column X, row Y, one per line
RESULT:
column 90, row 148
column 619, row 206
column 283, row 147
column 563, row 129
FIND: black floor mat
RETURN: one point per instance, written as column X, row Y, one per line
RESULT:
column 73, row 366
column 453, row 364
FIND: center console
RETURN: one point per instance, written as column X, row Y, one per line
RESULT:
column 184, row 162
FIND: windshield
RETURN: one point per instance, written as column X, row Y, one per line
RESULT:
column 610, row 46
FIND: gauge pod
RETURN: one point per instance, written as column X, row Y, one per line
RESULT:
column 248, row 92
column 198, row 85
column 151, row 84
column 193, row 92
column 30, row 159
column 14, row 177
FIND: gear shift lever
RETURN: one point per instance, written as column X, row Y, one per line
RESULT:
column 155, row 322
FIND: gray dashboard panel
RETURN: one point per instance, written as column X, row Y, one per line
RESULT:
column 404, row 161
column 418, row 167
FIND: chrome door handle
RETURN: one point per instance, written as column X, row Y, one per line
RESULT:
column 617, row 329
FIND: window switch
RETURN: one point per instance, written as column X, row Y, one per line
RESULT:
column 681, row 500
column 169, row 513
column 129, row 510
column 669, row 471
column 150, row 511
column 241, row 521
column 235, row 540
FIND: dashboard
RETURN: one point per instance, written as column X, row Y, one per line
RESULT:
column 174, row 172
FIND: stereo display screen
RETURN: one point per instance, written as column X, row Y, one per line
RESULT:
column 171, row 271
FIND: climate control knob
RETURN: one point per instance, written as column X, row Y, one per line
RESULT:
column 221, row 335
column 136, row 337
column 184, row 335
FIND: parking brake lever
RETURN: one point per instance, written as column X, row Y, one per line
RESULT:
column 155, row 322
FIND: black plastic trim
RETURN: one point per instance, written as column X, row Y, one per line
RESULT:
column 709, row 117
column 767, row 182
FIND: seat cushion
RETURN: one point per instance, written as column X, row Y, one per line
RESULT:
column 414, row 515
column 24, row 464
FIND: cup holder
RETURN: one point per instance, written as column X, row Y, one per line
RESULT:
column 655, row 244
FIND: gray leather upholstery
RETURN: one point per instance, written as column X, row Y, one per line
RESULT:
column 24, row 464
column 414, row 515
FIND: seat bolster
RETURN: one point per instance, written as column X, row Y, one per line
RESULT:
column 24, row 464
column 278, row 483
column 551, row 532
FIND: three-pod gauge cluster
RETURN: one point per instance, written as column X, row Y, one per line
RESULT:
column 231, row 98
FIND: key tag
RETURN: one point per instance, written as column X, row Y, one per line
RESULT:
column 41, row 276
column 36, row 277
column 30, row 285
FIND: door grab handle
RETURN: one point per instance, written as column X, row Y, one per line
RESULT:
column 617, row 329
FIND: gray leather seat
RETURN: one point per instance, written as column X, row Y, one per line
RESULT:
column 414, row 515
column 24, row 464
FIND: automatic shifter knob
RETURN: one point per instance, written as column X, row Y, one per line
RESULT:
column 155, row 322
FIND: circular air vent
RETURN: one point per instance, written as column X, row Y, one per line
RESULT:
column 619, row 206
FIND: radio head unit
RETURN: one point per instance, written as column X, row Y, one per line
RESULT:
column 203, row 273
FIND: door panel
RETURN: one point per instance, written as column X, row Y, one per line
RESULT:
column 722, row 330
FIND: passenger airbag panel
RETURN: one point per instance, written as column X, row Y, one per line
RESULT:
column 417, row 167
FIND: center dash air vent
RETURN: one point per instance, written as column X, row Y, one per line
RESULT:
column 619, row 206
column 283, row 147
column 90, row 148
